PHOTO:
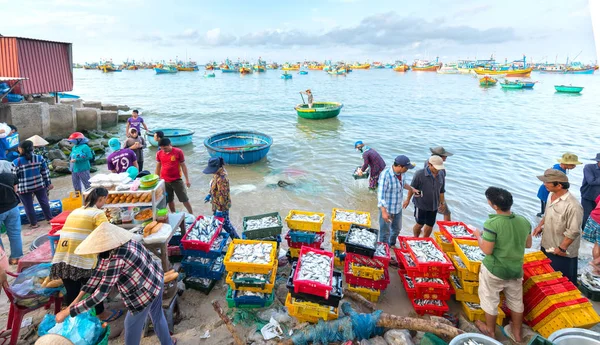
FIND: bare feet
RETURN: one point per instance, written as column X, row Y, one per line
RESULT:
column 516, row 331
column 481, row 326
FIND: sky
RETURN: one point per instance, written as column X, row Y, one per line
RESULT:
column 351, row 30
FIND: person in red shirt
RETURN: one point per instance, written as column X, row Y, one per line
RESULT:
column 170, row 163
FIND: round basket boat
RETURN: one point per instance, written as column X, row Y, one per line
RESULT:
column 239, row 147
column 319, row 110
column 178, row 136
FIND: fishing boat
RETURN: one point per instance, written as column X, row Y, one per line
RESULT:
column 187, row 68
column 239, row 147
column 209, row 75
column 303, row 72
column 289, row 67
column 315, row 67
column 378, row 65
column 178, row 136
column 259, row 68
column 425, row 66
column 568, row 88
column 360, row 66
column 109, row 67
column 64, row 95
column 448, row 69
column 511, row 72
column 90, row 66
column 209, row 67
column 228, row 69
column 588, row 70
column 527, row 84
column 245, row 70
column 337, row 71
column 511, row 85
column 165, row 69
column 487, row 81
column 286, row 76
column 319, row 110
column 400, row 67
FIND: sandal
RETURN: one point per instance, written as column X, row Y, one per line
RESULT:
column 13, row 261
column 174, row 340
column 34, row 226
column 114, row 315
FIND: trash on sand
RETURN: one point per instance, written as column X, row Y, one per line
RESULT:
column 271, row 330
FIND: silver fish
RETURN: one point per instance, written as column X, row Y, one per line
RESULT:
column 217, row 264
column 459, row 231
column 361, row 237
column 203, row 281
column 204, row 229
column 315, row 267
column 196, row 259
column 472, row 342
column 425, row 251
column 429, row 280
column 380, row 251
column 591, row 281
column 409, row 281
column 459, row 261
column 474, row 306
column 256, row 253
column 259, row 277
column 262, row 223
column 351, row 217
column 307, row 218
column 217, row 243
column 409, row 260
column 445, row 239
column 473, row 253
column 456, row 281
column 423, row 302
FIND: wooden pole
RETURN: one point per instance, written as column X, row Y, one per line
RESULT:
column 227, row 321
column 359, row 299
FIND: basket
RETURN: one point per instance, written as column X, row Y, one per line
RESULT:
column 430, row 309
column 373, row 284
column 470, row 287
column 247, row 266
column 369, row 294
column 345, row 226
column 472, row 266
column 461, row 296
column 447, row 247
column 248, row 302
column 365, row 174
column 213, row 253
column 264, row 232
column 572, row 314
column 384, row 259
column 534, row 256
column 294, row 252
column 443, row 224
column 319, row 236
column 360, row 249
column 307, row 309
column 308, row 286
column 201, row 270
column 411, row 292
column 555, row 277
column 432, row 269
column 58, row 222
column 249, row 284
column 538, row 291
column 198, row 245
column 74, row 201
column 537, row 267
column 304, row 225
column 335, row 296
column 463, row 273
column 479, row 314
column 365, row 267
column 189, row 284
column 307, row 237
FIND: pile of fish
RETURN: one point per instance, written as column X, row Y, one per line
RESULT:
column 258, row 277
column 474, row 306
column 315, row 267
column 306, row 218
column 472, row 342
column 380, row 251
column 458, row 261
column 459, row 231
column 423, row 302
column 409, row 260
column 429, row 280
column 473, row 253
column 204, row 229
column 240, row 293
column 262, row 223
column 203, row 281
column 360, row 260
column 351, row 217
column 255, row 253
column 445, row 239
column 217, row 243
column 198, row 260
column 361, row 237
column 217, row 264
column 456, row 281
column 425, row 251
column 590, row 280
column 409, row 281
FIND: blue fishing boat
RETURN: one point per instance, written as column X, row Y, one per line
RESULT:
column 286, row 76
column 165, row 69
column 178, row 136
column 209, row 75
column 303, row 72
column 527, row 84
column 64, row 95
column 239, row 147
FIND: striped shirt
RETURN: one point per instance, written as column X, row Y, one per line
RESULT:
column 32, row 175
column 391, row 190
column 373, row 160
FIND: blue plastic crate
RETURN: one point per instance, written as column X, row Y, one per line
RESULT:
column 218, row 273
column 197, row 269
column 175, row 240
column 55, row 210
column 212, row 254
column 303, row 236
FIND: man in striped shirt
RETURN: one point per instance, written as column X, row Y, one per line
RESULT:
column 372, row 160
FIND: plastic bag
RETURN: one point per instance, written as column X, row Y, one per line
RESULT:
column 29, row 282
column 160, row 236
column 4, row 130
column 398, row 337
column 84, row 329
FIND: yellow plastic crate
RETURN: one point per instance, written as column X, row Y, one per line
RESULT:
column 295, row 252
column 574, row 316
column 534, row 256
column 335, row 245
column 462, row 296
column 540, row 278
column 304, row 225
column 470, row 287
column 370, row 294
column 345, row 226
column 550, row 300
column 309, row 310
column 248, row 267
column 479, row 314
column 472, row 266
column 463, row 273
column 367, row 272
column 338, row 263
column 268, row 286
column 447, row 247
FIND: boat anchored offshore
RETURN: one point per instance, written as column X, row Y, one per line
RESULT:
column 319, row 110
column 487, row 81
column 511, row 85
column 568, row 88
column 178, row 136
column 286, row 76
column 166, row 69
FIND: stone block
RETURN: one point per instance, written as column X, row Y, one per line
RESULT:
column 92, row 104
column 110, row 107
column 123, row 107
column 62, row 120
column 56, row 154
column 124, row 117
column 75, row 102
column 45, row 99
column 108, row 119
column 29, row 118
column 87, row 119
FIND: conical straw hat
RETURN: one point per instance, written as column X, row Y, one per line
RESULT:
column 105, row 237
column 38, row 141
column 53, row 339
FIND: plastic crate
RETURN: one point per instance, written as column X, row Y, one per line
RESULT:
column 479, row 314
column 248, row 302
column 294, row 252
column 427, row 269
column 304, row 225
column 294, row 312
column 447, row 247
column 593, row 295
column 411, row 292
column 430, row 309
column 247, row 266
column 572, row 314
column 539, row 340
column 312, row 287
column 537, row 267
column 345, row 226
column 213, row 253
column 472, row 266
column 369, row 294
column 385, row 260
column 337, row 242
column 461, row 296
column 315, row 244
column 175, row 239
column 58, row 222
column 538, row 291
column 336, row 247
column 360, row 249
column 443, row 224
column 247, row 284
column 554, row 277
column 374, row 284
column 194, row 268
column 470, row 287
column 191, row 284
column 463, row 273
column 198, row 245
column 264, row 232
column 55, row 210
column 534, row 256
column 537, row 308
column 335, row 296
column 338, row 263
column 429, row 290
column 307, row 237
column 360, row 266
column 307, row 309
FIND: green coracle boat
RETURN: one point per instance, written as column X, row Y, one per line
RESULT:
column 319, row 110
column 511, row 85
column 568, row 88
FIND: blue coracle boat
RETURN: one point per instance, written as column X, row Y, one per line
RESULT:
column 239, row 147
column 303, row 72
column 286, row 76
column 178, row 136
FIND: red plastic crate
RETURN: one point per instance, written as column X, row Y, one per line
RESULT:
column 197, row 245
column 416, row 271
column 535, row 268
column 440, row 269
column 442, row 224
column 58, row 222
column 540, row 290
column 388, row 257
column 433, row 290
column 430, row 308
column 364, row 282
column 374, row 262
column 410, row 292
column 316, row 244
column 173, row 250
column 553, row 308
column 308, row 286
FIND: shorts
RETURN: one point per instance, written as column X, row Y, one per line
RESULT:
column 591, row 232
column 176, row 187
column 423, row 217
column 489, row 290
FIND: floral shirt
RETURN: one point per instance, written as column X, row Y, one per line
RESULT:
column 219, row 191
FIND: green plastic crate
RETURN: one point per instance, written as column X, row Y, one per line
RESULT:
column 231, row 303
column 264, row 232
column 432, row 339
column 539, row 340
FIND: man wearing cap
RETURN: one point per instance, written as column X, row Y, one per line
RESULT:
column 372, row 159
column 441, row 151
column 121, row 159
column 389, row 199
column 561, row 225
column 567, row 162
column 219, row 195
column 428, row 187
column 170, row 163
column 137, row 144
column 590, row 187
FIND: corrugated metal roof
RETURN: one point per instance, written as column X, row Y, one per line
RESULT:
column 35, row 39
column 9, row 58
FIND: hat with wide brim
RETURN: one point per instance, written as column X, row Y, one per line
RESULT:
column 214, row 164
column 440, row 151
column 597, row 159
column 53, row 339
column 553, row 175
column 38, row 141
column 569, row 158
column 104, row 238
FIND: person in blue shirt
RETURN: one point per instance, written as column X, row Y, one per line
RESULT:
column 6, row 151
column 567, row 162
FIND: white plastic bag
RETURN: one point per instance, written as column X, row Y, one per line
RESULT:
column 4, row 130
column 160, row 236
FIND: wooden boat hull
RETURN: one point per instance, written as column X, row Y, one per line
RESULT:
column 487, row 81
column 239, row 147
column 568, row 89
column 581, row 71
column 315, row 68
column 290, row 68
column 402, row 68
column 365, row 66
column 187, row 69
column 227, row 70
column 210, row 75
column 319, row 111
column 244, row 70
column 259, row 69
column 303, row 72
column 523, row 73
column 164, row 70
column 178, row 136
column 425, row 69
column 511, row 86
column 286, row 76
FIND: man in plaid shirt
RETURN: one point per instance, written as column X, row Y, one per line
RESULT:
column 372, row 160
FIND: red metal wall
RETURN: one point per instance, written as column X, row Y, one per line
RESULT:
column 48, row 65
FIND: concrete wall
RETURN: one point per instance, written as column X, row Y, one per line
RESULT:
column 92, row 104
column 62, row 120
column 30, row 118
column 87, row 119
column 76, row 102
column 108, row 119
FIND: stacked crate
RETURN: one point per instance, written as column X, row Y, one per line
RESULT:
column 551, row 301
column 203, row 261
column 310, row 301
column 426, row 281
column 339, row 230
column 251, row 283
column 267, row 233
column 303, row 232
